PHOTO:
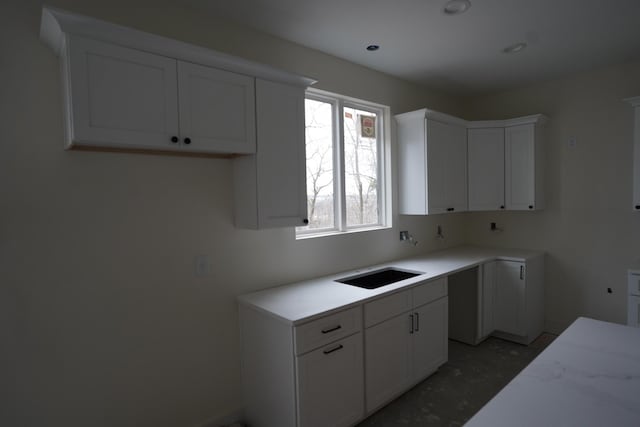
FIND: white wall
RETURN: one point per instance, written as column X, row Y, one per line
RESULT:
column 588, row 228
column 103, row 322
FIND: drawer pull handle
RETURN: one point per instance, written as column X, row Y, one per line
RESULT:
column 522, row 272
column 411, row 322
column 335, row 328
column 417, row 322
column 339, row 347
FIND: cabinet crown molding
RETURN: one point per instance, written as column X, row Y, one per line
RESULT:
column 473, row 124
column 525, row 120
column 56, row 24
column 634, row 101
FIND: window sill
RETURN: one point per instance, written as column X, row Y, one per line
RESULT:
column 312, row 235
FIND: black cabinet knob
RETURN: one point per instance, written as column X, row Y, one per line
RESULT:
column 502, row 207
column 530, row 207
column 187, row 141
column 450, row 209
column 637, row 206
column 305, row 221
column 174, row 139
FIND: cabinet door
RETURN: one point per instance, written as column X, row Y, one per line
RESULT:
column 485, row 149
column 446, row 167
column 217, row 110
column 120, row 97
column 330, row 384
column 636, row 159
column 388, row 360
column 281, row 162
column 487, row 296
column 509, row 314
column 430, row 343
column 520, row 167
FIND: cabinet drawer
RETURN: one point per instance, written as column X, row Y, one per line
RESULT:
column 634, row 284
column 327, row 329
column 429, row 291
column 386, row 307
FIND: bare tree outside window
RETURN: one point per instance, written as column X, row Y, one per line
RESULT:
column 319, row 148
column 361, row 170
column 344, row 175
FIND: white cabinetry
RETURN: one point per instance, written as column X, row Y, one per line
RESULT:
column 270, row 186
column 127, row 89
column 518, row 298
column 635, row 102
column 505, row 162
column 125, row 98
column 432, row 165
column 305, row 375
column 485, row 150
column 405, row 340
column 633, row 298
column 524, row 167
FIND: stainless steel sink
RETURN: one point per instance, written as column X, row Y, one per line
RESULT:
column 377, row 278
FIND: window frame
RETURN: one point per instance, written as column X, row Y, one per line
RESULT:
column 383, row 150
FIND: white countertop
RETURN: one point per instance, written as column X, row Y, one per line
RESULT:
column 589, row 376
column 299, row 302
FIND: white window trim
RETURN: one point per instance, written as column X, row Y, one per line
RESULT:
column 383, row 128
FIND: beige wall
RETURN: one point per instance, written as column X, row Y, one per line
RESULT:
column 588, row 228
column 102, row 320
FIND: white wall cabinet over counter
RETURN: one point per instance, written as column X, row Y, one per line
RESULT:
column 635, row 102
column 270, row 186
column 127, row 89
column 125, row 98
column 506, row 164
column 432, row 163
column 447, row 164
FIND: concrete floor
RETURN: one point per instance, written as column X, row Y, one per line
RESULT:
column 463, row 385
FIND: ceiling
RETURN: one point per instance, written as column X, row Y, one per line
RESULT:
column 459, row 54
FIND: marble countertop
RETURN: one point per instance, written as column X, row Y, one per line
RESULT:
column 589, row 376
column 303, row 301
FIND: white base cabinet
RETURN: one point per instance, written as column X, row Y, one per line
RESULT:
column 405, row 340
column 633, row 298
column 514, row 299
column 305, row 375
column 313, row 374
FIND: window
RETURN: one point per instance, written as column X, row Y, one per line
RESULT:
column 346, row 155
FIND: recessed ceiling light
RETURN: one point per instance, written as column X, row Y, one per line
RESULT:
column 373, row 47
column 456, row 7
column 514, row 48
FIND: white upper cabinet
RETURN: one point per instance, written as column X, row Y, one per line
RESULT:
column 119, row 97
column 432, row 166
column 506, row 164
column 523, row 167
column 126, row 98
column 635, row 102
column 127, row 89
column 271, row 184
column 217, row 109
column 485, row 151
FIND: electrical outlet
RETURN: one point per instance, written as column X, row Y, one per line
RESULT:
column 404, row 235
